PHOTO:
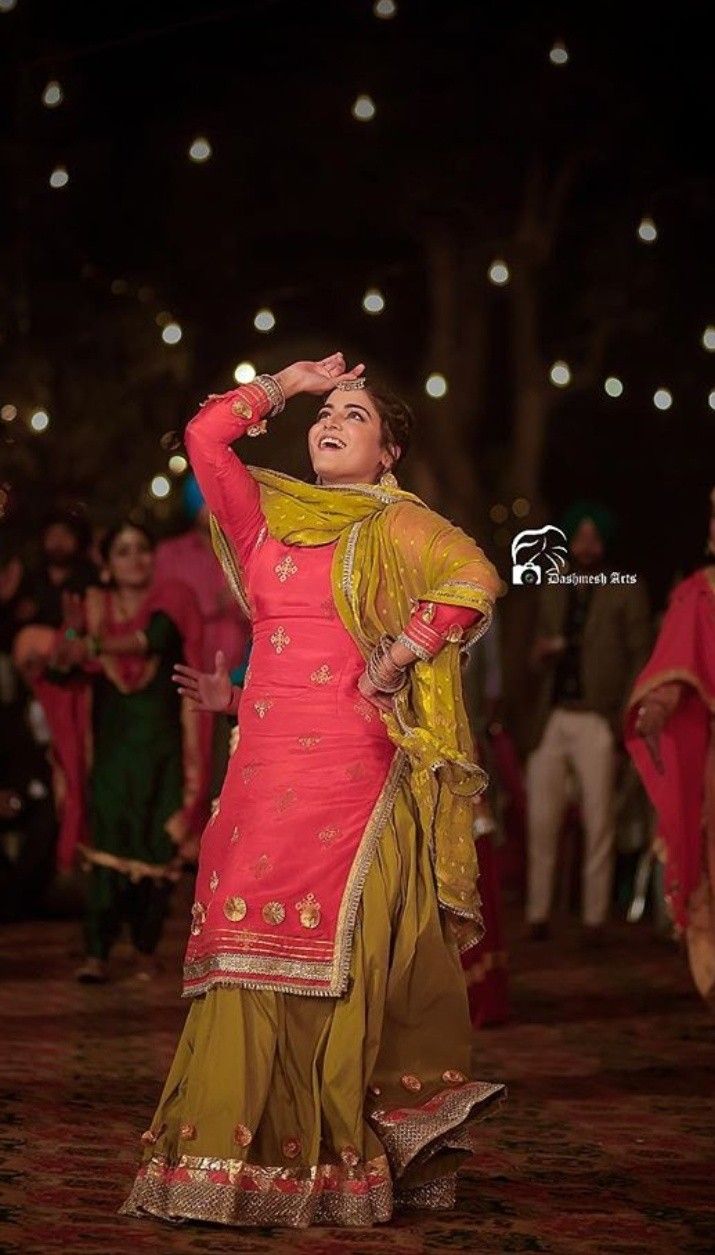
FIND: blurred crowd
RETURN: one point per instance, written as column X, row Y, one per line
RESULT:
column 91, row 625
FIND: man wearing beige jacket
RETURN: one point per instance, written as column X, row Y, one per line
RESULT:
column 593, row 635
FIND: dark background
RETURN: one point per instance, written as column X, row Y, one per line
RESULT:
column 480, row 148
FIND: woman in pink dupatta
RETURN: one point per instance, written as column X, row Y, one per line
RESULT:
column 670, row 733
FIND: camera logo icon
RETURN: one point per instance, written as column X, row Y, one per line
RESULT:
column 535, row 551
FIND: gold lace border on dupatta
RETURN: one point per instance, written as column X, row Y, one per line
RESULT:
column 324, row 976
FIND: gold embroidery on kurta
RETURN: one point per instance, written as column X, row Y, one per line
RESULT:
column 257, row 429
column 262, row 706
column 234, row 908
column 364, row 709
column 242, row 1135
column 235, row 834
column 274, row 912
column 285, row 568
column 280, row 639
column 356, row 771
column 287, row 798
column 198, row 918
column 241, row 409
column 262, row 867
column 327, row 835
column 429, row 612
column 322, row 675
column 308, row 911
column 213, row 882
column 249, row 771
column 309, row 742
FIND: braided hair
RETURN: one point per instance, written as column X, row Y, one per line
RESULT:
column 396, row 418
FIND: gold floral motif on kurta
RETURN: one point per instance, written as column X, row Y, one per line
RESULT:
column 280, row 639
column 355, row 771
column 213, row 882
column 198, row 918
column 234, row 908
column 322, row 675
column 235, row 834
column 249, row 771
column 262, row 706
column 274, row 912
column 285, row 568
column 309, row 742
column 328, row 834
column 262, row 867
column 285, row 799
column 308, row 911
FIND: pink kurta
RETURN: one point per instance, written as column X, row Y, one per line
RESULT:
column 308, row 790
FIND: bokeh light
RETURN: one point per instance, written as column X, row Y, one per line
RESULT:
column 560, row 374
column 436, row 386
column 711, row 400
column 170, row 441
column 499, row 273
column 264, row 320
column 709, row 339
column 613, row 386
column 163, row 317
column 559, row 53
column 521, row 507
column 52, row 95
column 499, row 513
column 662, row 399
column 119, row 287
column 363, row 109
column 384, row 8
column 160, row 487
column 40, row 420
column 59, row 177
column 6, row 6
column 177, row 464
column 373, row 302
column 647, row 231
column 172, row 333
column 200, row 149
column 245, row 372
column 8, row 413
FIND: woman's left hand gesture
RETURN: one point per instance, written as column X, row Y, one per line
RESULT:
column 316, row 378
column 383, row 701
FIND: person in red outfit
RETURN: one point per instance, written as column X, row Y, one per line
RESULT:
column 328, row 1040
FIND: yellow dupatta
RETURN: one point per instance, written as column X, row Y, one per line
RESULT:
column 392, row 551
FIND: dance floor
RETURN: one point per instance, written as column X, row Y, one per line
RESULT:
column 607, row 1143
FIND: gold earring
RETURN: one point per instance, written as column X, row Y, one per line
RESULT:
column 388, row 480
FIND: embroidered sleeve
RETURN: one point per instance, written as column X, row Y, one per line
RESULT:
column 229, row 490
column 432, row 625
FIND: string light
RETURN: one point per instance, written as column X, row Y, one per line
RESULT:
column 711, row 400
column 40, row 420
column 200, row 149
column 647, row 231
column 613, row 386
column 172, row 333
column 436, row 386
column 59, row 177
column 560, row 375
column 264, row 320
column 177, row 464
column 245, row 372
column 6, row 6
column 499, row 513
column 521, row 507
column 8, row 413
column 373, row 301
column 709, row 339
column 384, row 8
column 662, row 399
column 364, row 109
column 52, row 95
column 499, row 273
column 559, row 53
column 160, row 487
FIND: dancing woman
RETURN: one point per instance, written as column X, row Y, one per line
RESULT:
column 323, row 1072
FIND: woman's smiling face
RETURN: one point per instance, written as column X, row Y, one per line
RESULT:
column 346, row 440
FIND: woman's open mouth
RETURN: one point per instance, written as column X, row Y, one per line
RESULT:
column 331, row 442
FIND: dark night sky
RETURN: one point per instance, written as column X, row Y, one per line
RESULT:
column 302, row 208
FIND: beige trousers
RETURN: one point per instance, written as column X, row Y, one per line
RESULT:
column 580, row 741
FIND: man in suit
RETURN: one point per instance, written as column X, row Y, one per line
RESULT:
column 592, row 638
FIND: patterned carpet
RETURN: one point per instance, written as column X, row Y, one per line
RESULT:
column 607, row 1143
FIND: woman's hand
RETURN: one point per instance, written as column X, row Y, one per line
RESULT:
column 317, row 378
column 373, row 695
column 205, row 690
column 650, row 722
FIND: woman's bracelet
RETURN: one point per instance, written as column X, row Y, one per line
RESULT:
column 273, row 391
column 382, row 672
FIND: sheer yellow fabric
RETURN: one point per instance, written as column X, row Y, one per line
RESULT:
column 392, row 552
